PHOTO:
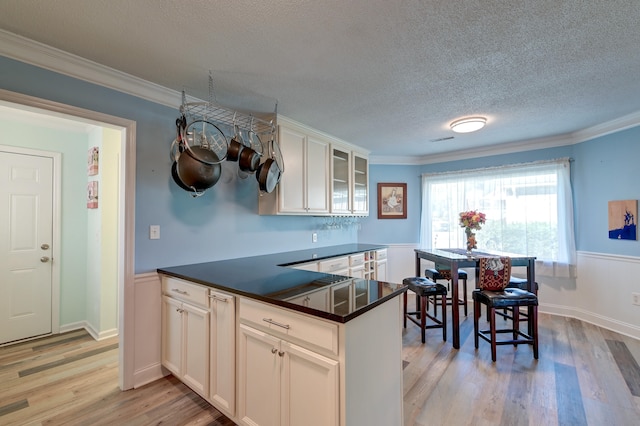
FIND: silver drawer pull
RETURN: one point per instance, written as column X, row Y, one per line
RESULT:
column 216, row 297
column 177, row 290
column 270, row 321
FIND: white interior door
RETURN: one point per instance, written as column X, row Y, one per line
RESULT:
column 26, row 231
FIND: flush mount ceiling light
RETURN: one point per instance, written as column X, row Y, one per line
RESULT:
column 469, row 124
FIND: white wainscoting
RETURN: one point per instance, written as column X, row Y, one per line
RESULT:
column 601, row 294
column 147, row 326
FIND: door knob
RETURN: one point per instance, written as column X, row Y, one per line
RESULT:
column 45, row 247
column 44, row 259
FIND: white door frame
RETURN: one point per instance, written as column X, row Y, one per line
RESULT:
column 126, row 215
column 56, row 207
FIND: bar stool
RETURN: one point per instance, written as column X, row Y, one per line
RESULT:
column 424, row 289
column 445, row 274
column 494, row 274
column 522, row 284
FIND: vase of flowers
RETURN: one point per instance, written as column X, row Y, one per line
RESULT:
column 471, row 221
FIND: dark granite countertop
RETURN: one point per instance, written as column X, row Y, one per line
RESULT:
column 270, row 279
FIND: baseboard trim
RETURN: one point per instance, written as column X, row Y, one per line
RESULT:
column 148, row 374
column 623, row 328
column 85, row 325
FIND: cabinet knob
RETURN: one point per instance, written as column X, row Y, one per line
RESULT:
column 281, row 353
column 274, row 350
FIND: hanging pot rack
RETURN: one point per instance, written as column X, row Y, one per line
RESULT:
column 210, row 111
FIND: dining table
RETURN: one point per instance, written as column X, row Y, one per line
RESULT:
column 454, row 258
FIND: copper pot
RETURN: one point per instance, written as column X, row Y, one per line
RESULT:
column 198, row 168
column 249, row 160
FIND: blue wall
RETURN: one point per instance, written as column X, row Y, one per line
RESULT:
column 224, row 223
column 605, row 169
column 393, row 231
column 602, row 170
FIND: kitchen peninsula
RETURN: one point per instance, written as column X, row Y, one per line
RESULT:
column 270, row 344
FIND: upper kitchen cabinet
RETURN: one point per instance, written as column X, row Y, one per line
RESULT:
column 304, row 186
column 322, row 175
column 349, row 182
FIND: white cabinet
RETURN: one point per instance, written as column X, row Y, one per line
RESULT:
column 380, row 257
column 283, row 380
column 360, row 188
column 311, row 266
column 335, row 265
column 304, row 186
column 222, row 361
column 294, row 369
column 318, row 299
column 322, row 175
column 349, row 182
column 199, row 340
column 185, row 341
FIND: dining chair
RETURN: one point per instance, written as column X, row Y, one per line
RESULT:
column 494, row 274
column 425, row 289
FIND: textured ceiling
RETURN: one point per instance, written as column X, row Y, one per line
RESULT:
column 386, row 75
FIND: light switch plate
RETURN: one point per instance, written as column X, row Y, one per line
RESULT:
column 154, row 232
column 314, row 237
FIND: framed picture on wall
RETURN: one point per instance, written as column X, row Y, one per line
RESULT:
column 623, row 220
column 93, row 157
column 392, row 201
column 92, row 195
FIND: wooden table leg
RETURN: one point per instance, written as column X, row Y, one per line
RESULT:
column 455, row 317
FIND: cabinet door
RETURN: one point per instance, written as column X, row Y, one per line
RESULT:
column 317, row 163
column 292, row 191
column 357, row 271
column 340, row 181
column 381, row 271
column 172, row 335
column 258, row 378
column 316, row 299
column 222, row 377
column 196, row 348
column 360, row 203
column 310, row 388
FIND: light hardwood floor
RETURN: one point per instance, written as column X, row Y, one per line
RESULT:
column 585, row 376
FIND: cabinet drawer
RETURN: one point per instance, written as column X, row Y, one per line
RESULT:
column 185, row 291
column 356, row 259
column 381, row 254
column 335, row 264
column 290, row 325
column 313, row 266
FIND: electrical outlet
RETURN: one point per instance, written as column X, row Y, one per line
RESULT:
column 154, row 232
column 314, row 237
column 636, row 298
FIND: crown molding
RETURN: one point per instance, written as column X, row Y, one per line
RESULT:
column 606, row 128
column 505, row 148
column 41, row 55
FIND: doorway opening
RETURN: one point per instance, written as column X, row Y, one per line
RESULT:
column 56, row 114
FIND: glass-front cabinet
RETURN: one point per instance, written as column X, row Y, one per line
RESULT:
column 350, row 182
column 341, row 191
column 360, row 185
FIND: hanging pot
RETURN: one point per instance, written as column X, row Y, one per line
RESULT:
column 198, row 168
column 249, row 160
column 268, row 175
column 176, row 178
column 235, row 146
